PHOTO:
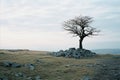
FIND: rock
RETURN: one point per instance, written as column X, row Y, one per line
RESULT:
column 19, row 74
column 76, row 54
column 37, row 77
column 61, row 53
column 30, row 66
column 68, row 53
column 15, row 65
column 86, row 78
column 3, row 78
column 11, row 64
column 89, row 65
column 39, row 61
column 7, row 63
column 72, row 50
column 29, row 78
column 67, row 65
column 117, row 76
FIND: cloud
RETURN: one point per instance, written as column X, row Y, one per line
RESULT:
column 26, row 21
column 37, row 39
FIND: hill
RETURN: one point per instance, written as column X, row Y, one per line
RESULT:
column 107, row 51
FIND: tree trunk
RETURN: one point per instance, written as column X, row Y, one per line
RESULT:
column 80, row 43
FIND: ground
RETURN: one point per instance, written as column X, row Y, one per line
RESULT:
column 100, row 67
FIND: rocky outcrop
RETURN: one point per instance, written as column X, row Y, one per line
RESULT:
column 74, row 53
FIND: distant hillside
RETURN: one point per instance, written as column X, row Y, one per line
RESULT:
column 14, row 50
column 107, row 51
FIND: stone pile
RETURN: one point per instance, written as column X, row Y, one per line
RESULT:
column 74, row 53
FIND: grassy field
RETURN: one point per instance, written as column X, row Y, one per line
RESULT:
column 49, row 67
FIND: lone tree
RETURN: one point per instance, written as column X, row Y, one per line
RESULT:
column 80, row 26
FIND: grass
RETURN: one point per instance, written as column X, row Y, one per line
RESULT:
column 49, row 67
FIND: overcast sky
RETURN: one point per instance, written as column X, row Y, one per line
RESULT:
column 37, row 24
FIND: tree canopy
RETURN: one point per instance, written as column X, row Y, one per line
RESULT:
column 80, row 26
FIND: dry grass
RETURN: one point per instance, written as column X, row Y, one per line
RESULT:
column 49, row 67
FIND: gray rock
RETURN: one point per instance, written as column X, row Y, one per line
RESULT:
column 37, row 77
column 7, row 63
column 68, row 53
column 38, row 61
column 89, row 65
column 67, row 65
column 59, row 53
column 30, row 66
column 11, row 64
column 117, row 76
column 15, row 65
column 86, row 78
column 19, row 74
column 3, row 78
column 29, row 78
column 71, row 50
column 76, row 54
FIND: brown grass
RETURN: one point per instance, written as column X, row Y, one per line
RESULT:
column 49, row 67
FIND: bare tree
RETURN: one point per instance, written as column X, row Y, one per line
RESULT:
column 80, row 26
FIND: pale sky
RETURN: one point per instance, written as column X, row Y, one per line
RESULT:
column 37, row 24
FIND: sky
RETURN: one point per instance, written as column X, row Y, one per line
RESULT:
column 37, row 24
